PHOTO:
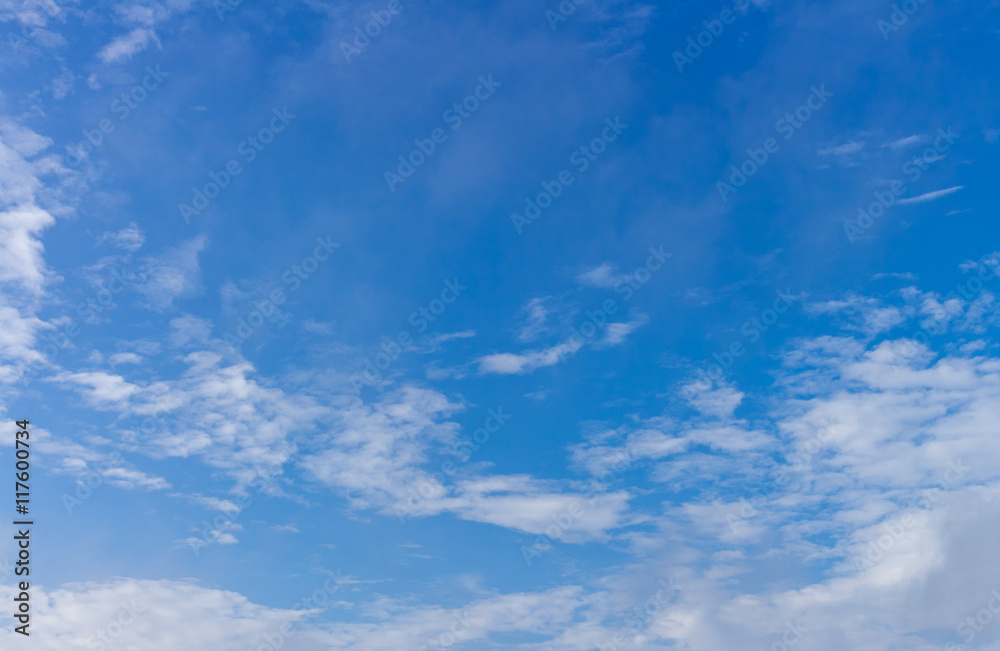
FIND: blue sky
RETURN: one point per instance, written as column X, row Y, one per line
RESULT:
column 597, row 325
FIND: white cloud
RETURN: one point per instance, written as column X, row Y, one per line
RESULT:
column 215, row 411
column 895, row 274
column 720, row 402
column 890, row 499
column 871, row 425
column 374, row 456
column 215, row 503
column 451, row 336
column 17, row 339
column 846, row 149
column 102, row 390
column 22, row 220
column 617, row 450
column 28, row 206
column 130, row 238
column 136, row 613
column 616, row 334
column 536, row 315
column 373, row 453
column 930, row 196
column 173, row 275
column 142, row 20
column 603, row 276
column 318, row 328
column 518, row 363
column 905, row 142
column 127, row 45
column 125, row 358
column 66, row 455
column 871, row 315
column 529, row 505
column 187, row 330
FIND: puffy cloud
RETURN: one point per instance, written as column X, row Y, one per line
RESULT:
column 22, row 217
column 134, row 613
column 27, row 208
column 161, row 614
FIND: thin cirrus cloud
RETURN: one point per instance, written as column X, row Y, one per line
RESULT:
column 518, row 363
column 905, row 142
column 846, row 149
column 930, row 196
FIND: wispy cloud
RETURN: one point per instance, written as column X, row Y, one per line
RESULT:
column 173, row 275
column 904, row 142
column 127, row 45
column 451, row 336
column 536, row 315
column 518, row 363
column 130, row 238
column 604, row 276
column 930, row 196
column 845, row 149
